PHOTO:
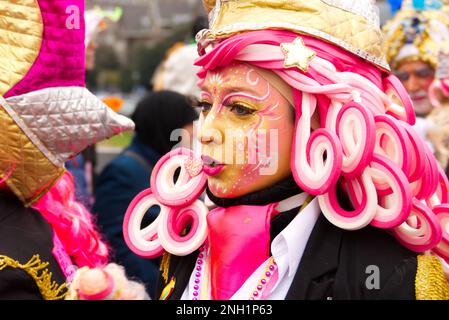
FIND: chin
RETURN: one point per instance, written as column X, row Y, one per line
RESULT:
column 422, row 107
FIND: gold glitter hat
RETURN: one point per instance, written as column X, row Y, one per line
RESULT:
column 351, row 25
column 416, row 34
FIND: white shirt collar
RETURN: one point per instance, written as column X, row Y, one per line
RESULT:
column 291, row 242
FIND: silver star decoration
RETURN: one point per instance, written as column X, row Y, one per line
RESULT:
column 297, row 54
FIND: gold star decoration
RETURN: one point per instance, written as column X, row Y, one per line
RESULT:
column 297, row 54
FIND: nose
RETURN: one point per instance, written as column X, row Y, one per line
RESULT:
column 210, row 128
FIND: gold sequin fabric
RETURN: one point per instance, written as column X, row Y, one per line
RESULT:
column 430, row 282
column 37, row 270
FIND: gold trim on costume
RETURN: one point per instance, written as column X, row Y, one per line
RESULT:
column 37, row 270
column 165, row 265
column 430, row 282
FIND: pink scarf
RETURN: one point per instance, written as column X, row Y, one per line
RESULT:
column 239, row 240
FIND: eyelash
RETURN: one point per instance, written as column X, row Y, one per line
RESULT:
column 206, row 106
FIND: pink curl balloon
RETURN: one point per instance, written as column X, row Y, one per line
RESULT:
column 402, row 109
column 322, row 143
column 422, row 231
column 428, row 183
column 143, row 242
column 365, row 208
column 357, row 133
column 442, row 212
column 177, row 221
column 417, row 153
column 365, row 197
column 189, row 185
column 167, row 231
column 316, row 158
column 399, row 201
column 443, row 186
column 391, row 142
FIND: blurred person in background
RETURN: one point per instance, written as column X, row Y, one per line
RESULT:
column 413, row 39
column 83, row 165
column 157, row 115
column 177, row 72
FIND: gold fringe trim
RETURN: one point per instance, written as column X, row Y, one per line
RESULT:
column 306, row 203
column 430, row 282
column 165, row 265
column 37, row 269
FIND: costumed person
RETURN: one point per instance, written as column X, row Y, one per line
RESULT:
column 322, row 188
column 413, row 39
column 82, row 167
column 439, row 98
column 157, row 115
column 438, row 134
column 178, row 72
column 47, row 116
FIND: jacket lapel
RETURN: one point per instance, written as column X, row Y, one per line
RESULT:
column 315, row 275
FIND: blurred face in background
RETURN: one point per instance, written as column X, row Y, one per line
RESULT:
column 246, row 131
column 417, row 76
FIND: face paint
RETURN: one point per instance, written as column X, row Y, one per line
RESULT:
column 246, row 131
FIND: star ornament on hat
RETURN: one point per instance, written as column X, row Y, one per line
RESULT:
column 47, row 115
column 297, row 55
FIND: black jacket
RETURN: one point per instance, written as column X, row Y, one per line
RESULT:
column 336, row 264
column 24, row 233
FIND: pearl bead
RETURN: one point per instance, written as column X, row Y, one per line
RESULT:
column 197, row 281
column 271, row 268
column 198, row 268
column 196, row 287
column 263, row 281
column 259, row 287
column 200, row 261
column 197, row 274
column 195, row 293
column 268, row 274
column 255, row 293
column 200, row 256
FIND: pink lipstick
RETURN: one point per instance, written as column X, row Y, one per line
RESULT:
column 211, row 167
